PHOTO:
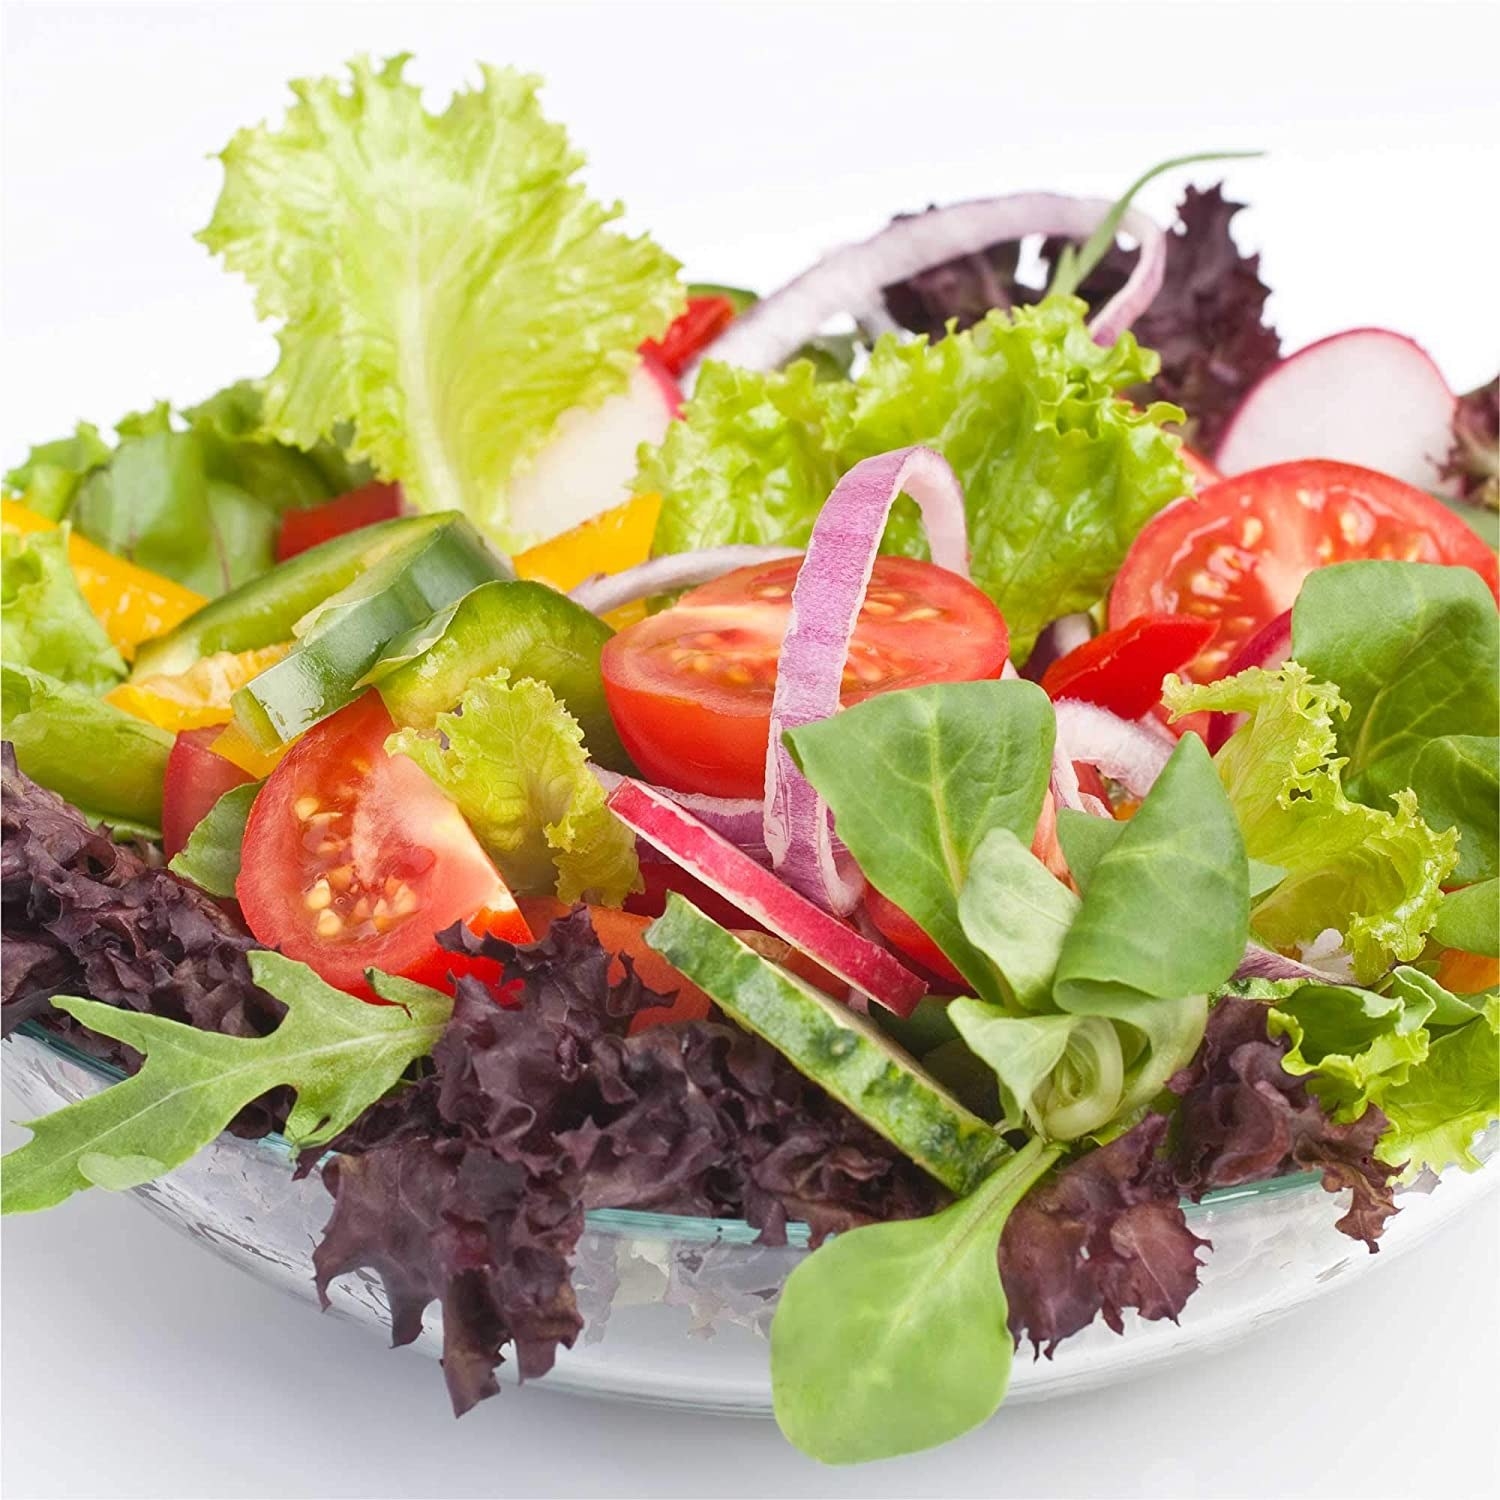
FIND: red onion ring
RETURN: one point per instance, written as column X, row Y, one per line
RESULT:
column 826, row 601
column 1265, row 963
column 661, row 575
column 1125, row 751
column 1064, row 634
column 852, row 279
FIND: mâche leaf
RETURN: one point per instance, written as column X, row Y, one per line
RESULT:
column 443, row 283
column 1470, row 919
column 211, row 856
column 339, row 1054
column 893, row 1338
column 918, row 779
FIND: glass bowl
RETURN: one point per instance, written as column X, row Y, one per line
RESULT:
column 676, row 1310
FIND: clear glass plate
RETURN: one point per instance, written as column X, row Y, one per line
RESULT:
column 677, row 1309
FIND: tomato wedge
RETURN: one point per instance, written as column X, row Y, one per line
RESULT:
column 196, row 778
column 1122, row 669
column 690, row 688
column 1238, row 553
column 354, row 860
column 696, row 327
column 903, row 934
column 301, row 529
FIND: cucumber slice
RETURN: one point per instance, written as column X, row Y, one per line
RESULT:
column 834, row 1046
column 345, row 635
column 263, row 611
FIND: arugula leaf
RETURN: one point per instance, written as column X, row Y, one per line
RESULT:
column 339, row 1054
column 918, row 779
column 893, row 1337
column 109, row 764
column 45, row 623
column 1373, row 876
column 1059, row 475
column 48, row 480
column 1177, row 873
column 443, row 284
column 511, row 757
column 1415, row 651
column 211, row 856
column 1470, row 919
column 1440, row 1107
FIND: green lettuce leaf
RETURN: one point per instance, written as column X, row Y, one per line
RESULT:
column 1372, row 875
column 338, row 1053
column 52, row 473
column 108, row 764
column 1440, row 1107
column 45, row 622
column 443, row 283
column 1059, row 474
column 512, row 759
column 1470, row 919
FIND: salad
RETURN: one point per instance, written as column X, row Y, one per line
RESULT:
column 964, row 753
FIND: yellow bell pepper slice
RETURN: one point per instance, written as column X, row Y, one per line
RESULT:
column 234, row 744
column 199, row 696
column 132, row 603
column 610, row 542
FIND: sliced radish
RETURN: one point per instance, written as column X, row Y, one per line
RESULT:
column 1368, row 397
column 736, row 877
column 588, row 465
column 1270, row 647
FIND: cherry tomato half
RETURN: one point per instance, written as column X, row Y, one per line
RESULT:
column 690, row 688
column 1237, row 554
column 354, row 860
column 903, row 934
column 1122, row 669
column 301, row 529
column 696, row 327
column 196, row 778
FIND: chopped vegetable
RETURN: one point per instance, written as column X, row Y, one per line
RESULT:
column 304, row 528
column 196, row 778
column 212, row 856
column 199, row 697
column 693, row 330
column 611, row 542
column 393, row 244
column 1122, row 669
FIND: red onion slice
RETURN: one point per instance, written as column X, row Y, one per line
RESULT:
column 1064, row 634
column 1265, row 963
column 853, row 279
column 661, row 575
column 826, row 601
column 1125, row 751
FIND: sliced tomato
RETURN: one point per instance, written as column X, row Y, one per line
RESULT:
column 1237, row 554
column 1122, row 669
column 196, row 779
column 301, row 529
column 903, row 934
column 690, row 688
column 1467, row 973
column 1199, row 467
column 354, row 860
column 699, row 324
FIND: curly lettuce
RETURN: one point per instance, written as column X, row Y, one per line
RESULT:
column 512, row 758
column 45, row 622
column 1059, row 474
column 1374, row 875
column 443, row 283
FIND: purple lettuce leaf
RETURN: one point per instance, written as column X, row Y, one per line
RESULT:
column 1474, row 459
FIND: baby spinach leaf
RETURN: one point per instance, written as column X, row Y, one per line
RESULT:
column 1470, row 919
column 339, row 1054
column 1457, row 779
column 918, row 779
column 893, row 1337
column 211, row 856
column 1085, row 839
column 1415, row 651
column 1017, row 913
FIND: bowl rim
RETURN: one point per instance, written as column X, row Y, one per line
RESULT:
column 633, row 1222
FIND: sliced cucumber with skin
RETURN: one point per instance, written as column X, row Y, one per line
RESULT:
column 345, row 635
column 263, row 611
column 529, row 629
column 837, row 1048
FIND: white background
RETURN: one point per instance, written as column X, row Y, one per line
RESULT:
column 747, row 138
